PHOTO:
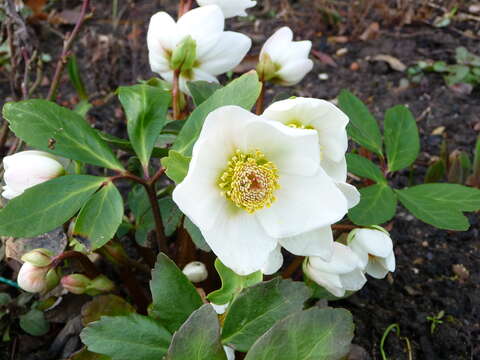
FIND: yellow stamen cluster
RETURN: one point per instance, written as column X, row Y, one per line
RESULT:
column 249, row 181
column 298, row 125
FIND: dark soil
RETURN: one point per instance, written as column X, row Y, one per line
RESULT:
column 425, row 281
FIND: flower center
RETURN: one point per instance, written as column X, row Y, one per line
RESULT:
column 249, row 181
column 298, row 125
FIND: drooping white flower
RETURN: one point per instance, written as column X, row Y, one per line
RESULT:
column 32, row 278
column 283, row 60
column 230, row 8
column 216, row 51
column 230, row 352
column 342, row 273
column 28, row 168
column 374, row 247
column 195, row 271
column 253, row 183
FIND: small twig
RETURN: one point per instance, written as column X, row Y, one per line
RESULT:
column 88, row 266
column 176, row 95
column 65, row 51
column 343, row 227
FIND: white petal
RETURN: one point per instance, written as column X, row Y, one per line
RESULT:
column 343, row 261
column 361, row 253
column 388, row 262
column 239, row 241
column 351, row 194
column 318, row 242
column 293, row 151
column 162, row 37
column 228, row 52
column 9, row 193
column 354, row 280
column 293, row 72
column 230, row 8
column 230, row 352
column 331, row 282
column 277, row 45
column 205, row 25
column 274, row 262
column 219, row 309
column 303, row 204
column 374, row 242
column 376, row 269
column 336, row 170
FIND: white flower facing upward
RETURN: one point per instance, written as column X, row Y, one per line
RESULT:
column 230, row 8
column 26, row 169
column 344, row 271
column 374, row 247
column 216, row 51
column 283, row 60
column 255, row 185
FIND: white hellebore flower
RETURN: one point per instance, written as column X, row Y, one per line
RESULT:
column 195, row 271
column 230, row 8
column 215, row 51
column 32, row 278
column 230, row 352
column 254, row 186
column 283, row 60
column 28, row 168
column 374, row 247
column 342, row 273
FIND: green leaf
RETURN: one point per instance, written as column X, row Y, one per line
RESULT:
column 105, row 305
column 34, row 323
column 84, row 354
column 146, row 109
column 198, row 338
column 314, row 334
column 232, row 284
column 99, row 218
column 363, row 128
column 257, row 308
column 441, row 205
column 202, row 90
column 123, row 144
column 176, row 165
column 46, row 206
column 127, row 337
column 402, row 142
column 174, row 296
column 76, row 79
column 435, row 171
column 243, row 92
column 378, row 204
column 364, row 168
column 171, row 215
column 457, row 74
column 196, row 235
column 47, row 126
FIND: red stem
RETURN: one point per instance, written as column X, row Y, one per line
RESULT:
column 261, row 100
column 88, row 266
column 176, row 95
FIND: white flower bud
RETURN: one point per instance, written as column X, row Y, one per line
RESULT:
column 195, row 271
column 342, row 273
column 374, row 247
column 283, row 60
column 230, row 8
column 28, row 168
column 230, row 352
column 32, row 278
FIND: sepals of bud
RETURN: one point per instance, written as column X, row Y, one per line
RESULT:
column 81, row 284
column 38, row 257
column 52, row 279
column 266, row 68
column 184, row 55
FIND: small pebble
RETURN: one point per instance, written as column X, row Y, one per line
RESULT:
column 341, row 52
column 323, row 76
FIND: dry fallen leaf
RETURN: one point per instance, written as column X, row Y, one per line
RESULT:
column 439, row 130
column 324, row 58
column 394, row 63
column 371, row 32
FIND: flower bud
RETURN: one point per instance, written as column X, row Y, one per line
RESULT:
column 38, row 257
column 101, row 284
column 75, row 283
column 52, row 279
column 184, row 55
column 195, row 271
column 32, row 278
column 28, row 168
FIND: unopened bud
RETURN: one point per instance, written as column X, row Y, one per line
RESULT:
column 75, row 283
column 101, row 284
column 266, row 68
column 195, row 271
column 184, row 55
column 115, row 253
column 32, row 278
column 38, row 257
column 52, row 279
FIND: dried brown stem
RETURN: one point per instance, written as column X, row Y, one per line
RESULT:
column 88, row 266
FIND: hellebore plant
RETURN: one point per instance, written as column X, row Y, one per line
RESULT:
column 206, row 183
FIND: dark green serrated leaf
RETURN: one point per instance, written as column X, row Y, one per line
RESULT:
column 127, row 337
column 118, row 143
column 198, row 338
column 76, row 79
column 402, row 142
column 171, row 215
column 84, row 354
column 364, row 168
column 99, row 218
column 34, row 323
column 435, row 171
column 378, row 204
column 47, row 126
column 363, row 127
column 243, row 92
column 258, row 307
column 314, row 334
column 176, row 166
column 105, row 305
column 202, row 90
column 49, row 205
column 174, row 296
column 196, row 235
column 441, row 205
column 232, row 284
column 146, row 109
